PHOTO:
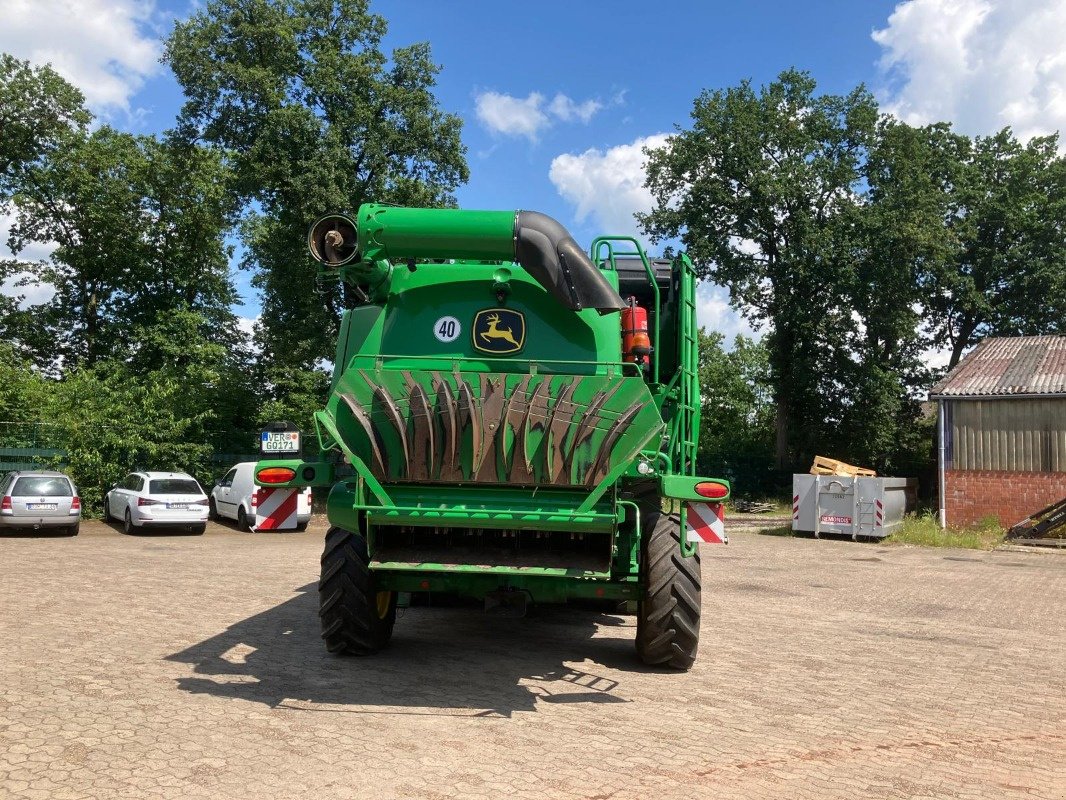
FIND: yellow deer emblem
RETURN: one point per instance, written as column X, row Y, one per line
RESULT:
column 498, row 333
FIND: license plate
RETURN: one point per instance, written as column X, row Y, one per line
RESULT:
column 283, row 442
column 42, row 506
column 179, row 506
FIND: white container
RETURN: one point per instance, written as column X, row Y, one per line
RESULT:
column 871, row 507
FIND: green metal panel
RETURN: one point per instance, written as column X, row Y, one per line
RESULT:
column 471, row 507
column 394, row 233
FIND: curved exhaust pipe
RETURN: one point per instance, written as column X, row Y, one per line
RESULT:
column 544, row 248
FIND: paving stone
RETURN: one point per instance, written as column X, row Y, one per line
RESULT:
column 173, row 666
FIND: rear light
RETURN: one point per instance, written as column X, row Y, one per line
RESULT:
column 5, row 505
column 75, row 504
column 712, row 490
column 275, row 475
column 144, row 501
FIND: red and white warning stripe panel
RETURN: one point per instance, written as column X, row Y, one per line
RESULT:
column 705, row 522
column 795, row 506
column 880, row 513
column 276, row 509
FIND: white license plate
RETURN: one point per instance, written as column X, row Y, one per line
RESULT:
column 287, row 442
column 179, row 506
column 42, row 506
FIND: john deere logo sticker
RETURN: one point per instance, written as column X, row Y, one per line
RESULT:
column 499, row 331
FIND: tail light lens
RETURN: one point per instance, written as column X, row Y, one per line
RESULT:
column 276, row 475
column 75, row 504
column 712, row 490
column 144, row 501
column 5, row 504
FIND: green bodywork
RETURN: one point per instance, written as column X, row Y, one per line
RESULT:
column 454, row 448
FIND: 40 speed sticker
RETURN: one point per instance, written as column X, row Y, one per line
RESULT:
column 447, row 329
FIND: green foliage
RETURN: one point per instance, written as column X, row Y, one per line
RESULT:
column 861, row 243
column 1005, row 274
column 737, row 415
column 139, row 225
column 314, row 118
column 21, row 390
column 111, row 421
column 763, row 193
column 39, row 113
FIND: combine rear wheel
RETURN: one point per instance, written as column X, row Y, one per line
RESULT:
column 356, row 619
column 668, row 614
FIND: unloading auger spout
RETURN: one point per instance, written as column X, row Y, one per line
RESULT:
column 364, row 249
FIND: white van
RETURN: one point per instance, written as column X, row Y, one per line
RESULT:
column 234, row 497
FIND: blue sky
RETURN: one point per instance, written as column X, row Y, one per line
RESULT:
column 559, row 97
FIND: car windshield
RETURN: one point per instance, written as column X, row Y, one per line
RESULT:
column 174, row 486
column 42, row 487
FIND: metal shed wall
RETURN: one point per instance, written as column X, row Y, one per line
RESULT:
column 1022, row 434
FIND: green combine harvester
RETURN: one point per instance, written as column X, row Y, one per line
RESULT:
column 520, row 419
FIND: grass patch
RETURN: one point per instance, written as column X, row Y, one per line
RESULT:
column 924, row 531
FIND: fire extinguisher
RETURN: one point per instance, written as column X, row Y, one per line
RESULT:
column 636, row 345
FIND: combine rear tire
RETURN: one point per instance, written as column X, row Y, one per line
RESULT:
column 356, row 619
column 668, row 615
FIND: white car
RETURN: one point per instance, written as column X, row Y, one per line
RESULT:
column 236, row 496
column 157, row 499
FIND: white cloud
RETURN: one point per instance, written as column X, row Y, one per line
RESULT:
column 981, row 64
column 714, row 313
column 607, row 185
column 32, row 294
column 567, row 110
column 106, row 48
column 34, row 251
column 516, row 116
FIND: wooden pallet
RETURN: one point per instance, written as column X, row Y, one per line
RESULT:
column 830, row 466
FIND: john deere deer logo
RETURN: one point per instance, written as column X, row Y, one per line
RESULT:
column 499, row 331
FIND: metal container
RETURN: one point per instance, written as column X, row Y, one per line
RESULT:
column 871, row 507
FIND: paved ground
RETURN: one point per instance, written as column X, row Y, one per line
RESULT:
column 190, row 667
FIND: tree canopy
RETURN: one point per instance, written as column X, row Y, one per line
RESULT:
column 314, row 117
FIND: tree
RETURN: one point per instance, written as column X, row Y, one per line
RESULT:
column 139, row 226
column 39, row 113
column 763, row 191
column 314, row 118
column 1007, row 275
column 737, row 412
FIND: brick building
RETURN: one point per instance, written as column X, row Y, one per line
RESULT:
column 1002, row 430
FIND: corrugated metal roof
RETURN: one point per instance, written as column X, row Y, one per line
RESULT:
column 1001, row 367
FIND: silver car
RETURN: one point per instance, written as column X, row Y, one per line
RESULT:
column 157, row 499
column 39, row 499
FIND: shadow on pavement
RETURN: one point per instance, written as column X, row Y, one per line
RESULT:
column 451, row 661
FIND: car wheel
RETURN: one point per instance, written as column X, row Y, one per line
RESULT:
column 73, row 529
column 212, row 510
column 107, row 510
column 242, row 519
column 127, row 522
column 198, row 529
column 301, row 527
